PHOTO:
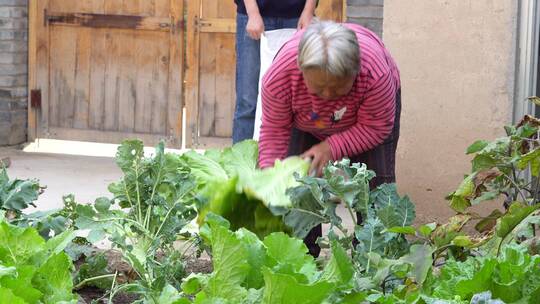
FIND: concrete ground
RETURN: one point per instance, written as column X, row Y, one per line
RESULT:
column 86, row 177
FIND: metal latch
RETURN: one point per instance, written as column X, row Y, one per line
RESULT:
column 35, row 99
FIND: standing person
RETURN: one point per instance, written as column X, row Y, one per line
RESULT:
column 252, row 19
column 333, row 91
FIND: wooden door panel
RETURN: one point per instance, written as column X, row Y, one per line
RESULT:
column 113, row 69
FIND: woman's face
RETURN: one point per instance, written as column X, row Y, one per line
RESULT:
column 327, row 86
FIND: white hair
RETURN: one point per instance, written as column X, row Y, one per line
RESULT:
column 330, row 47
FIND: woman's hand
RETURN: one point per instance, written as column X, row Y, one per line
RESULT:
column 255, row 26
column 304, row 20
column 307, row 14
column 320, row 155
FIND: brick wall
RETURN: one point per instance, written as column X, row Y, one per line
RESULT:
column 13, row 71
column 368, row 13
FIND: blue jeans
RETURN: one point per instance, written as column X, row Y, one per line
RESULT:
column 248, row 62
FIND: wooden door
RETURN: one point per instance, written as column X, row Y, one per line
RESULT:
column 211, row 65
column 106, row 70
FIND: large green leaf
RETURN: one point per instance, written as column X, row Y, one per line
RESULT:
column 453, row 272
column 480, row 281
column 512, row 277
column 398, row 213
column 477, row 146
column 54, row 279
column 290, row 255
column 497, row 147
column 350, row 183
column 231, row 267
column 415, row 265
column 482, row 161
column 370, row 237
column 314, row 202
column 58, row 243
column 169, row 295
column 285, row 289
column 339, row 268
column 391, row 209
column 532, row 158
column 21, row 284
column 17, row 194
column 420, row 257
column 7, row 296
column 384, row 195
column 240, row 159
column 257, row 257
column 129, row 154
column 245, row 196
column 305, row 213
column 516, row 213
column 36, row 273
column 527, row 228
column 241, row 210
column 19, row 245
column 473, row 190
column 270, row 185
column 204, row 169
column 408, row 230
column 459, row 199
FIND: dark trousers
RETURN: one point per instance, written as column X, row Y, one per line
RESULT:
column 248, row 66
column 381, row 159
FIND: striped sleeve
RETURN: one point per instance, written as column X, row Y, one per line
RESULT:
column 375, row 119
column 276, row 127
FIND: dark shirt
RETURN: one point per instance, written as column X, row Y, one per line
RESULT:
column 275, row 8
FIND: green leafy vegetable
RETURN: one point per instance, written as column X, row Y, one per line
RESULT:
column 32, row 270
column 275, row 270
column 152, row 203
column 231, row 186
column 511, row 278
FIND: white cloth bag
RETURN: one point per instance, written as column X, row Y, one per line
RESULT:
column 271, row 43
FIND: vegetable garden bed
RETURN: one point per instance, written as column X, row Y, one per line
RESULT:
column 170, row 210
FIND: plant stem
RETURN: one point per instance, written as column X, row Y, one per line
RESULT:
column 165, row 220
column 440, row 250
column 127, row 195
column 147, row 216
column 370, row 249
column 112, row 287
column 149, row 210
column 121, row 287
column 536, row 190
column 83, row 282
column 355, row 221
column 178, row 201
column 516, row 186
column 139, row 204
column 499, row 247
column 158, row 178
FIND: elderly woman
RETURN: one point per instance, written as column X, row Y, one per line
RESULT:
column 333, row 91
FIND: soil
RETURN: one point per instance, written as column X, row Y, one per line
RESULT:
column 89, row 294
column 125, row 273
column 198, row 266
